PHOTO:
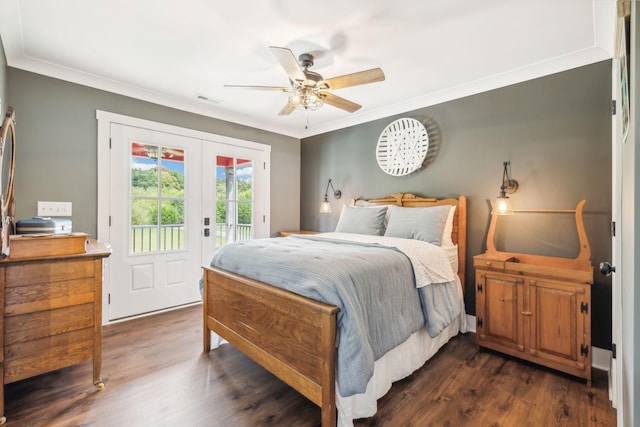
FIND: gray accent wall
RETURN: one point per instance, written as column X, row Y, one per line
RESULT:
column 555, row 131
column 56, row 149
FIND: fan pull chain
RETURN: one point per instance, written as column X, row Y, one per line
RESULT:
column 306, row 126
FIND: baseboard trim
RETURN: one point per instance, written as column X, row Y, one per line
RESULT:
column 600, row 357
column 471, row 323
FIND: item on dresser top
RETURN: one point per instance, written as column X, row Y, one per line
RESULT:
column 44, row 225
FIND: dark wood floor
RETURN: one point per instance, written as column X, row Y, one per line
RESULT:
column 156, row 375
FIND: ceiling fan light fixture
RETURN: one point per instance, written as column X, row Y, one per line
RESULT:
column 309, row 90
column 306, row 98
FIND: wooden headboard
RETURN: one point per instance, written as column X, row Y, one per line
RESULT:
column 459, row 233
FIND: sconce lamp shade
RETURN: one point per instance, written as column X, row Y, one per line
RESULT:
column 325, row 206
column 503, row 205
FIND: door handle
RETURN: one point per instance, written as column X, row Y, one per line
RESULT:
column 606, row 268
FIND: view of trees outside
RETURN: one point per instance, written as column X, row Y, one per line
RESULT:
column 158, row 204
column 244, row 209
column 157, row 199
column 144, row 189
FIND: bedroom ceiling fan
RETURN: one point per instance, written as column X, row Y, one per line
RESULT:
column 309, row 90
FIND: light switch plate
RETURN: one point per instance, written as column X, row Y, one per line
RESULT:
column 54, row 209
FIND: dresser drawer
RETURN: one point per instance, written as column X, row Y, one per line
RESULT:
column 47, row 358
column 33, row 326
column 47, row 296
column 48, row 272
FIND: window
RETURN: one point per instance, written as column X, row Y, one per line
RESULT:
column 234, row 200
column 157, row 198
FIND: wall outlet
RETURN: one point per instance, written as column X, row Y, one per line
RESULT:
column 54, row 209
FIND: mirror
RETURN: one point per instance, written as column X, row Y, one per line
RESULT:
column 7, row 163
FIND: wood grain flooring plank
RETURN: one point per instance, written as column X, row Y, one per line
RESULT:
column 155, row 374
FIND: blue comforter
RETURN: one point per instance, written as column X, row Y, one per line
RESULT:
column 373, row 285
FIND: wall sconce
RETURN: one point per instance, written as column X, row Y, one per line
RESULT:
column 325, row 206
column 503, row 203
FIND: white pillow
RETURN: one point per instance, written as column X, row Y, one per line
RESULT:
column 448, row 229
column 362, row 220
column 452, row 254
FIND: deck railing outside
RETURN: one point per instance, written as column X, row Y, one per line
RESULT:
column 144, row 238
column 243, row 232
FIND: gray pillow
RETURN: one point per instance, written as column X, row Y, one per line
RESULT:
column 362, row 220
column 425, row 224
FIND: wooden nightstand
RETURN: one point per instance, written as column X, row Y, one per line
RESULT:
column 289, row 233
column 535, row 307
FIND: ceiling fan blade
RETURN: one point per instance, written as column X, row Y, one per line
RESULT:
column 288, row 109
column 355, row 79
column 343, row 104
column 279, row 88
column 289, row 62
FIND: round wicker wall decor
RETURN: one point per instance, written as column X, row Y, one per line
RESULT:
column 402, row 147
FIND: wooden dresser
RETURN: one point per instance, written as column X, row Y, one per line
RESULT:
column 51, row 303
column 537, row 308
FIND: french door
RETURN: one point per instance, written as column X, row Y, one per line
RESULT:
column 235, row 206
column 173, row 197
column 155, row 229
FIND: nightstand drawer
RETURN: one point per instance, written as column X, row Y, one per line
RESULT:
column 489, row 263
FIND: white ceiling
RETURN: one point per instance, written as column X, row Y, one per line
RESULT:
column 169, row 51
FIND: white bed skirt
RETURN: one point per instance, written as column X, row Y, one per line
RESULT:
column 396, row 364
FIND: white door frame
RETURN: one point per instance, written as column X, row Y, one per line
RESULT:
column 615, row 372
column 105, row 119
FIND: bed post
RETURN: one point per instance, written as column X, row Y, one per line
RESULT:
column 206, row 333
column 462, row 240
column 328, row 406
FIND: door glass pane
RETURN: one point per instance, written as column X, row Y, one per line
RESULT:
column 245, row 179
column 172, row 163
column 157, row 200
column 143, row 225
column 234, row 200
column 144, row 170
column 172, row 225
column 245, row 228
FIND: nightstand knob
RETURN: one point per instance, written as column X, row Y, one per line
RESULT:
column 488, row 263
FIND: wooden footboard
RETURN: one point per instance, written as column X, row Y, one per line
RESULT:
column 291, row 336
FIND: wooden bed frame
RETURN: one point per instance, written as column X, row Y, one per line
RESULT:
column 292, row 336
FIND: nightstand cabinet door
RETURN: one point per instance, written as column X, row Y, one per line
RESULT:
column 560, row 324
column 498, row 311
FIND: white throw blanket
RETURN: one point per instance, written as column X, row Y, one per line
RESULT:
column 430, row 262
